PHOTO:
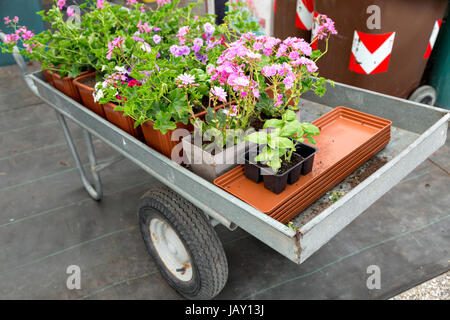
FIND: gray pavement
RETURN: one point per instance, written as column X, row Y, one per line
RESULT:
column 48, row 223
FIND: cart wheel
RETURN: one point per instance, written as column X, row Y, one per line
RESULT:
column 183, row 243
column 424, row 94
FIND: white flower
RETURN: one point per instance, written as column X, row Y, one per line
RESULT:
column 121, row 69
column 146, row 47
column 104, row 67
column 98, row 95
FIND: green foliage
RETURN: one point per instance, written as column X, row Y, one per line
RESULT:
column 336, row 195
column 281, row 141
column 291, row 226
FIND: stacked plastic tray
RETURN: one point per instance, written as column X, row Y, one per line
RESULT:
column 348, row 138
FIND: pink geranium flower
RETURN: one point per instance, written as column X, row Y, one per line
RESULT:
column 61, row 4
column 100, row 4
column 325, row 27
column 185, row 80
column 163, row 2
column 70, row 11
column 219, row 93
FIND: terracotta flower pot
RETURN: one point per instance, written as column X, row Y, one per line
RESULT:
column 66, row 86
column 163, row 143
column 48, row 76
column 125, row 123
column 85, row 85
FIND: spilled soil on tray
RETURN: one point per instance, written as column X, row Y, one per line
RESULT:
column 349, row 183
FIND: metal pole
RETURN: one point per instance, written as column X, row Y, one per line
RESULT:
column 95, row 192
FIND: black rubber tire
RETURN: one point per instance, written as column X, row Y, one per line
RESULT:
column 210, row 267
column 424, row 94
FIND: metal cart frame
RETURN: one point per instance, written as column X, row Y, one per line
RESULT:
column 428, row 123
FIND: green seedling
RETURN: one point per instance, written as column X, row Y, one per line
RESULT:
column 280, row 143
column 335, row 196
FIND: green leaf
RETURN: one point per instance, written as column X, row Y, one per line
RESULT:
column 310, row 129
column 281, row 143
column 275, row 164
column 291, row 129
column 315, row 54
column 257, row 137
column 273, row 123
column 265, row 155
column 312, row 140
column 163, row 122
column 289, row 115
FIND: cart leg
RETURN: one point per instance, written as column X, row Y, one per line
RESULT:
column 94, row 191
column 184, row 245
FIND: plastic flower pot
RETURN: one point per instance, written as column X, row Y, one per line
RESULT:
column 164, row 143
column 208, row 165
column 86, row 87
column 307, row 152
column 48, row 76
column 66, row 86
column 277, row 182
column 125, row 123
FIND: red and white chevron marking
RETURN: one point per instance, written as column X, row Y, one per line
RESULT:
column 371, row 52
column 433, row 37
column 304, row 14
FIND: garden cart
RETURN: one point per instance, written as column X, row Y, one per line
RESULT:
column 177, row 221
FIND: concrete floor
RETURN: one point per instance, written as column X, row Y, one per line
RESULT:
column 48, row 223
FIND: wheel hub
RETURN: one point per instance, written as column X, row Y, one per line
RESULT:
column 171, row 249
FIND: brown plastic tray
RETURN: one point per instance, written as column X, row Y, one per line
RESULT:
column 340, row 126
column 292, row 212
column 322, row 186
column 315, row 187
column 331, row 175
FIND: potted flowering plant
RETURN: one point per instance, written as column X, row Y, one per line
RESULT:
column 263, row 77
column 61, row 49
column 28, row 44
column 150, row 83
column 283, row 151
column 101, row 24
column 164, row 82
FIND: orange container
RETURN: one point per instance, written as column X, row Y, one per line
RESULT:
column 48, row 76
column 66, row 86
column 86, row 93
column 346, row 135
column 326, row 183
column 293, row 211
column 125, row 123
column 163, row 143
